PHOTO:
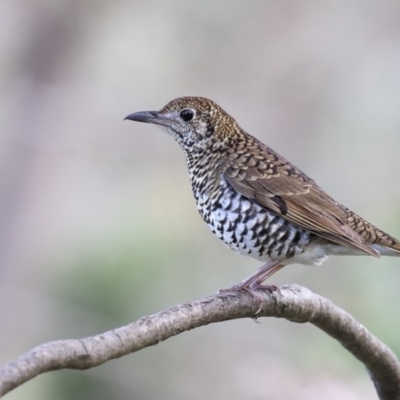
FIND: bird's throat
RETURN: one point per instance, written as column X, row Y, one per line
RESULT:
column 205, row 179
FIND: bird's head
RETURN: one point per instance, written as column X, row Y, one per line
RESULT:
column 196, row 123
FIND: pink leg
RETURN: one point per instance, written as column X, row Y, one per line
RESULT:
column 255, row 280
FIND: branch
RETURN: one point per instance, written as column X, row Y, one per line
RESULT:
column 295, row 303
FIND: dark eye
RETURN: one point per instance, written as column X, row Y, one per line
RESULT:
column 187, row 115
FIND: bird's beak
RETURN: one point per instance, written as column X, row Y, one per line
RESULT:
column 153, row 117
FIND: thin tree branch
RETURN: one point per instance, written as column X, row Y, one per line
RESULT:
column 295, row 303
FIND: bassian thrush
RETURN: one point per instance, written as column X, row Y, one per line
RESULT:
column 255, row 201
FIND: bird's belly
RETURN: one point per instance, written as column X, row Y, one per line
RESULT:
column 252, row 230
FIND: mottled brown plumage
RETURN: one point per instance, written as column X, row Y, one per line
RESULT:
column 257, row 202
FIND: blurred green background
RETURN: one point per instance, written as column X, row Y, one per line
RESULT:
column 98, row 225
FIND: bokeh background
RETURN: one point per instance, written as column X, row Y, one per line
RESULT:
column 98, row 226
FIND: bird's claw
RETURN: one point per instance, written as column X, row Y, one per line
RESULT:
column 252, row 289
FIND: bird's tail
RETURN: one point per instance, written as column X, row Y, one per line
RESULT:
column 387, row 251
column 381, row 241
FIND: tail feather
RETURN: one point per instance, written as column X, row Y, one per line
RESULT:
column 386, row 244
column 386, row 251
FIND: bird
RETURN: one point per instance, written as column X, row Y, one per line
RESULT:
column 255, row 201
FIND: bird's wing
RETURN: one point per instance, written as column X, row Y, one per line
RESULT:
column 260, row 174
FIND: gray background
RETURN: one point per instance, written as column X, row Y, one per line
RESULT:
column 98, row 225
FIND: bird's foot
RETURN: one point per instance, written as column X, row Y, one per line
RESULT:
column 252, row 289
column 269, row 288
column 254, row 282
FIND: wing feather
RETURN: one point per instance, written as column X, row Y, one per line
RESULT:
column 267, row 178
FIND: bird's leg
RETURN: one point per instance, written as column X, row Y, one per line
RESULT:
column 255, row 280
column 257, row 283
